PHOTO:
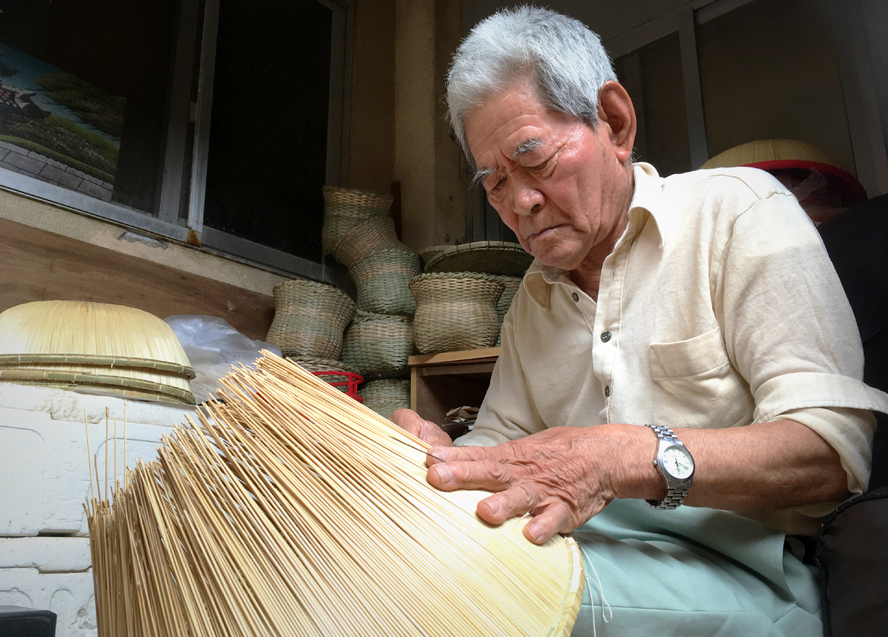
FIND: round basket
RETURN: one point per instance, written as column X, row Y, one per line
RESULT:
column 378, row 345
column 346, row 207
column 372, row 234
column 382, row 278
column 455, row 311
column 340, row 375
column 309, row 319
column 386, row 396
column 492, row 257
column 510, row 288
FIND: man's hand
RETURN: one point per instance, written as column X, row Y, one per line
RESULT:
column 561, row 476
column 429, row 432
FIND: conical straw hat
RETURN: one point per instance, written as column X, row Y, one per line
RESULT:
column 783, row 154
column 89, row 329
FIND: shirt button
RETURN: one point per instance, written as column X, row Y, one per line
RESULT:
column 605, row 337
column 575, row 296
column 607, row 391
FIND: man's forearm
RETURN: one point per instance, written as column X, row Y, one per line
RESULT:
column 774, row 465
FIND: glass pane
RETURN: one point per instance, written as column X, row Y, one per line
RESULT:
column 83, row 92
column 652, row 75
column 769, row 71
column 268, row 138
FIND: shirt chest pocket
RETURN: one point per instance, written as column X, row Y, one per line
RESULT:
column 698, row 385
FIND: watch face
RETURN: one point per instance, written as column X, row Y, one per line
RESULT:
column 677, row 462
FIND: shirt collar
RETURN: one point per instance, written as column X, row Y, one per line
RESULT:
column 647, row 202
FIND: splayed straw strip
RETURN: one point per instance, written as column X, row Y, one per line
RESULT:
column 287, row 508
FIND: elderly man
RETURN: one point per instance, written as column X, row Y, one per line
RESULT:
column 678, row 341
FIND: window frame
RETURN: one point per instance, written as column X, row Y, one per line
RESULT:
column 186, row 182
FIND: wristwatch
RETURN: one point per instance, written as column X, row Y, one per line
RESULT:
column 675, row 464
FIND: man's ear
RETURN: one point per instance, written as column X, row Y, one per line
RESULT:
column 616, row 110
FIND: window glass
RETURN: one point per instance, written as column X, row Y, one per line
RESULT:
column 83, row 92
column 652, row 76
column 768, row 70
column 268, row 139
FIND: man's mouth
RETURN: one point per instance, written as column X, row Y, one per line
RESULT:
column 541, row 234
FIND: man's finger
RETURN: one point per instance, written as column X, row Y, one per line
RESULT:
column 481, row 474
column 554, row 518
column 511, row 503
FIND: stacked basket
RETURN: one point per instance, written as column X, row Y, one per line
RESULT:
column 464, row 294
column 309, row 322
column 96, row 347
column 360, row 234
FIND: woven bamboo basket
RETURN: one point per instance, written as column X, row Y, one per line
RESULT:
column 107, row 347
column 455, row 311
column 382, row 278
column 378, row 345
column 345, row 208
column 309, row 319
column 491, row 257
column 339, row 374
column 386, row 396
column 375, row 233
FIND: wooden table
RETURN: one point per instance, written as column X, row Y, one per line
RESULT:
column 440, row 382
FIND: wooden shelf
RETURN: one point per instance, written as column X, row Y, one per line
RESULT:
column 440, row 382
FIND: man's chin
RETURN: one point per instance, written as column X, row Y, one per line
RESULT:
column 562, row 261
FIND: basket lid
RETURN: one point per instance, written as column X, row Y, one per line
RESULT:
column 490, row 257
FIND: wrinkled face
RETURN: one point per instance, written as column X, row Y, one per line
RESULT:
column 553, row 179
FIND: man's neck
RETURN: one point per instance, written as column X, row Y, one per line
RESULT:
column 587, row 276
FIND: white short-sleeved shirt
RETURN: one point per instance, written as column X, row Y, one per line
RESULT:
column 718, row 308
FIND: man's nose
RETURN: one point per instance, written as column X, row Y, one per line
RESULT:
column 527, row 198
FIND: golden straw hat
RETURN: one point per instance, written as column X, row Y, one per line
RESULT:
column 791, row 154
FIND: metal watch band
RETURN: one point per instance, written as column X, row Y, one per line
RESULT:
column 675, row 495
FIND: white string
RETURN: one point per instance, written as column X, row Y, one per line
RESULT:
column 606, row 616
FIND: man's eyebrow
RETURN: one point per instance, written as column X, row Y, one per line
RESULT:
column 481, row 174
column 527, row 146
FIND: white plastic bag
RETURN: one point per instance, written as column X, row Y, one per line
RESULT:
column 213, row 346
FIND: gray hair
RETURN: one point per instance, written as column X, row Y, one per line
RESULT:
column 561, row 55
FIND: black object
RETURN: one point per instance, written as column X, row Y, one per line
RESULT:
column 853, row 558
column 852, row 545
column 16, row 621
column 857, row 243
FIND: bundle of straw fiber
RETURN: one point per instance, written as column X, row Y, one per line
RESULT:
column 291, row 509
column 96, row 346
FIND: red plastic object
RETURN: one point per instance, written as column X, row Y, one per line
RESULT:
column 353, row 381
